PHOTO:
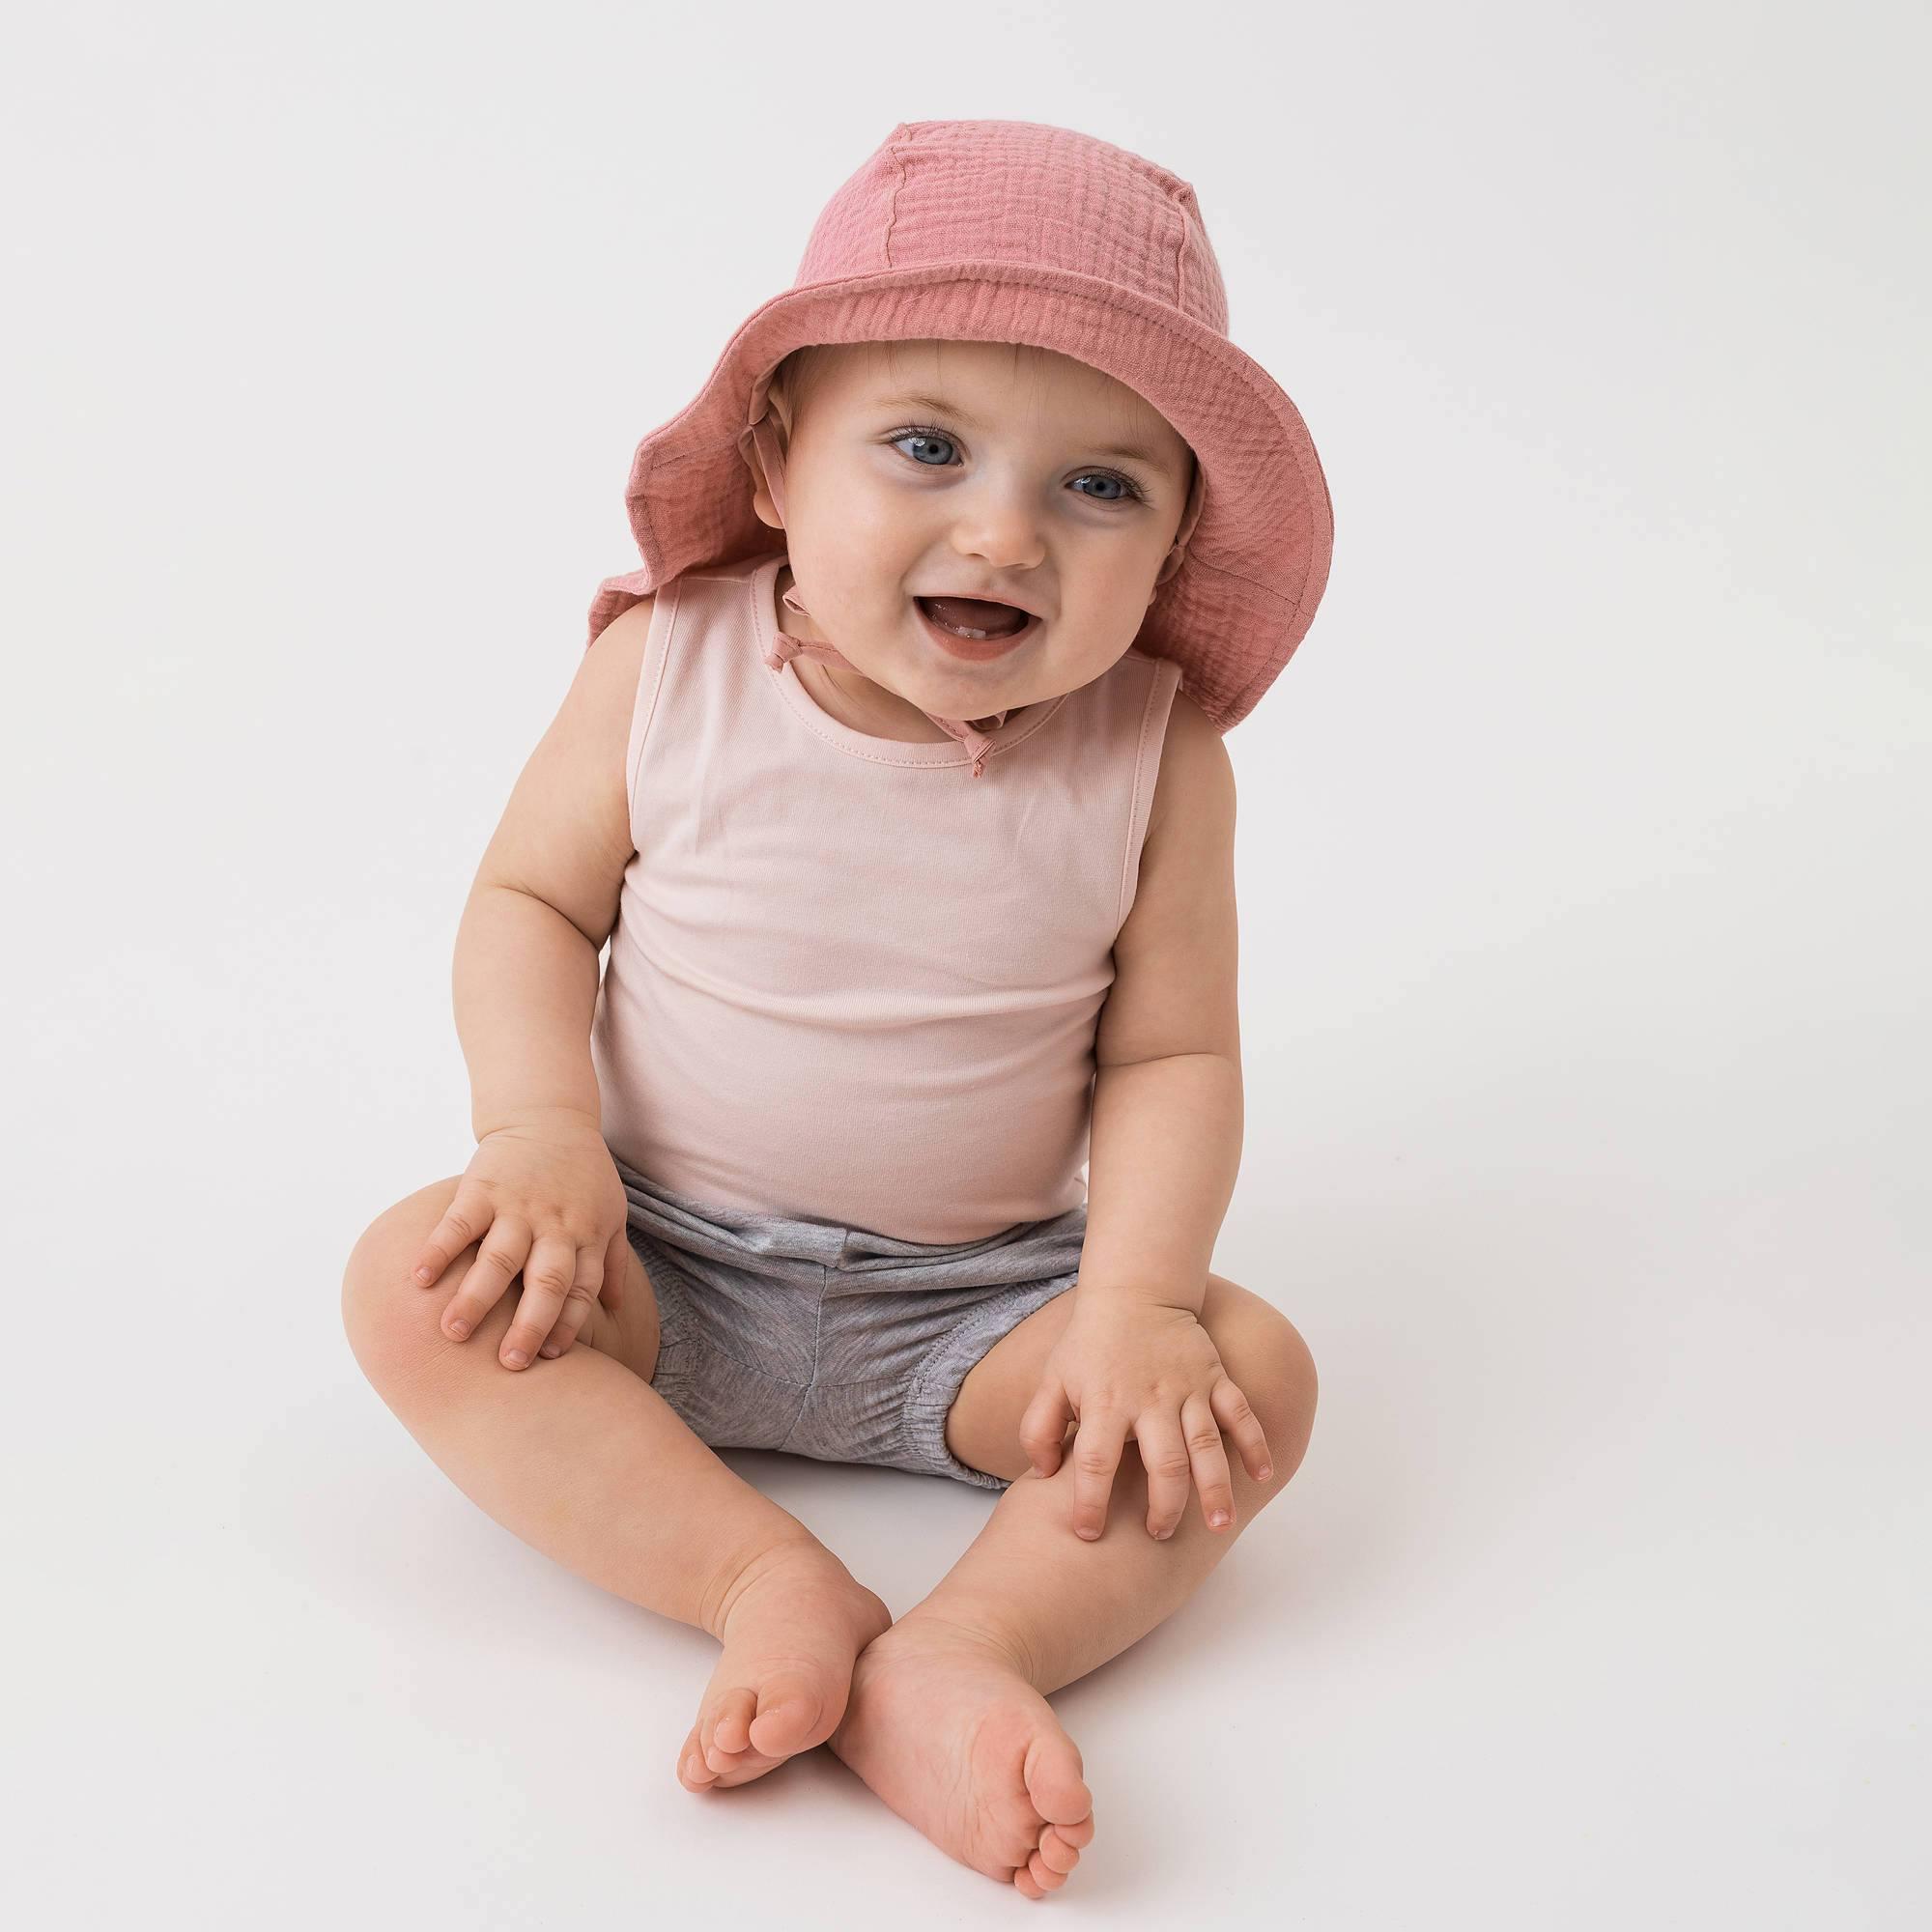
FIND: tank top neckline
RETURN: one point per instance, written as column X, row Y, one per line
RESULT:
column 1022, row 723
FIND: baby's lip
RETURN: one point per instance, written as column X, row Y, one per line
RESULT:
column 1032, row 609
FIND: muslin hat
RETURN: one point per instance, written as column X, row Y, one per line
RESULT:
column 1016, row 231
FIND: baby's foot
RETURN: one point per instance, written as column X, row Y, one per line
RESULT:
column 790, row 1635
column 943, row 1726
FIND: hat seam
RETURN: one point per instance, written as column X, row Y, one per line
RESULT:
column 898, row 153
column 1179, row 217
column 1268, row 673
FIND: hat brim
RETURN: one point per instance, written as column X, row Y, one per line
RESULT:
column 1252, row 572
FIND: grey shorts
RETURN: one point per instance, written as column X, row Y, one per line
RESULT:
column 833, row 1342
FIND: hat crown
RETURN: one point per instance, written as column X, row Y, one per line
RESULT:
column 935, row 192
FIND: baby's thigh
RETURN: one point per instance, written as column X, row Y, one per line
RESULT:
column 391, row 1319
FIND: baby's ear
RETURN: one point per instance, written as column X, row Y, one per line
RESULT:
column 765, row 498
column 777, row 400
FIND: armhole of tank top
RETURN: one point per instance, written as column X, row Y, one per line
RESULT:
column 1154, row 714
column 650, row 682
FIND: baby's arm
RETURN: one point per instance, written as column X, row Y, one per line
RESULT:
column 1166, row 1134
column 541, row 1197
column 1134, row 1358
column 544, row 899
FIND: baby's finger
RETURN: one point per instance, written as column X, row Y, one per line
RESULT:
column 1169, row 1469
column 497, row 1259
column 577, row 1308
column 1245, row 1427
column 1212, row 1475
column 464, row 1221
column 549, row 1275
column 610, row 1290
column 1044, row 1426
column 1097, row 1455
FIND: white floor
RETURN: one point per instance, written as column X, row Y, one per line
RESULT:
column 1600, row 1593
column 1585, row 940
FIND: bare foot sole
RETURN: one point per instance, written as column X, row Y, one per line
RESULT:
column 942, row 1725
column 790, row 1635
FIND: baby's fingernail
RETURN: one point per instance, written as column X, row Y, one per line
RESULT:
column 1218, row 1519
column 459, row 1330
column 1088, row 1534
column 1265, row 1470
column 517, row 1358
column 422, row 1274
column 550, row 1349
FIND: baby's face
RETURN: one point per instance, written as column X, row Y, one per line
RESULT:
column 925, row 468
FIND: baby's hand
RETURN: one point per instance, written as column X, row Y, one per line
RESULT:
column 541, row 1196
column 1127, row 1366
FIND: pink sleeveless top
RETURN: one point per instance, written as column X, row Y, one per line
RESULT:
column 844, row 985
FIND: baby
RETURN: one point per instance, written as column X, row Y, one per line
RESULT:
column 900, row 1124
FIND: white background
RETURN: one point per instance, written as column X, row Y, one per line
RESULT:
column 1583, row 866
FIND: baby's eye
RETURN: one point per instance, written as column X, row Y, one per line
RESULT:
column 924, row 435
column 1129, row 491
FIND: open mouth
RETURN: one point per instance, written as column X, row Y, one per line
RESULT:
column 973, row 628
column 974, row 617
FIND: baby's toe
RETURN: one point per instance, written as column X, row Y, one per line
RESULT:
column 790, row 1716
column 1075, row 1834
column 1055, row 1853
column 731, row 1721
column 1043, row 1874
column 693, row 1773
column 1053, row 1780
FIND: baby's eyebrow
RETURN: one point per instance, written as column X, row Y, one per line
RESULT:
column 940, row 405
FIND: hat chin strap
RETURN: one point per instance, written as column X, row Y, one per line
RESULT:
column 968, row 732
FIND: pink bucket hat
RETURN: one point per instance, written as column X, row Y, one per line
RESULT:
column 1014, row 231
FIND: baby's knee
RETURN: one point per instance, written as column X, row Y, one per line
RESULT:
column 1273, row 1367
column 392, row 1322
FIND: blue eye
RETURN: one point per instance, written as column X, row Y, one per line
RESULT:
column 1132, row 491
column 923, row 436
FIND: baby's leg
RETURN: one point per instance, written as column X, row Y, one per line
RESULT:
column 960, row 1681
column 583, row 1460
